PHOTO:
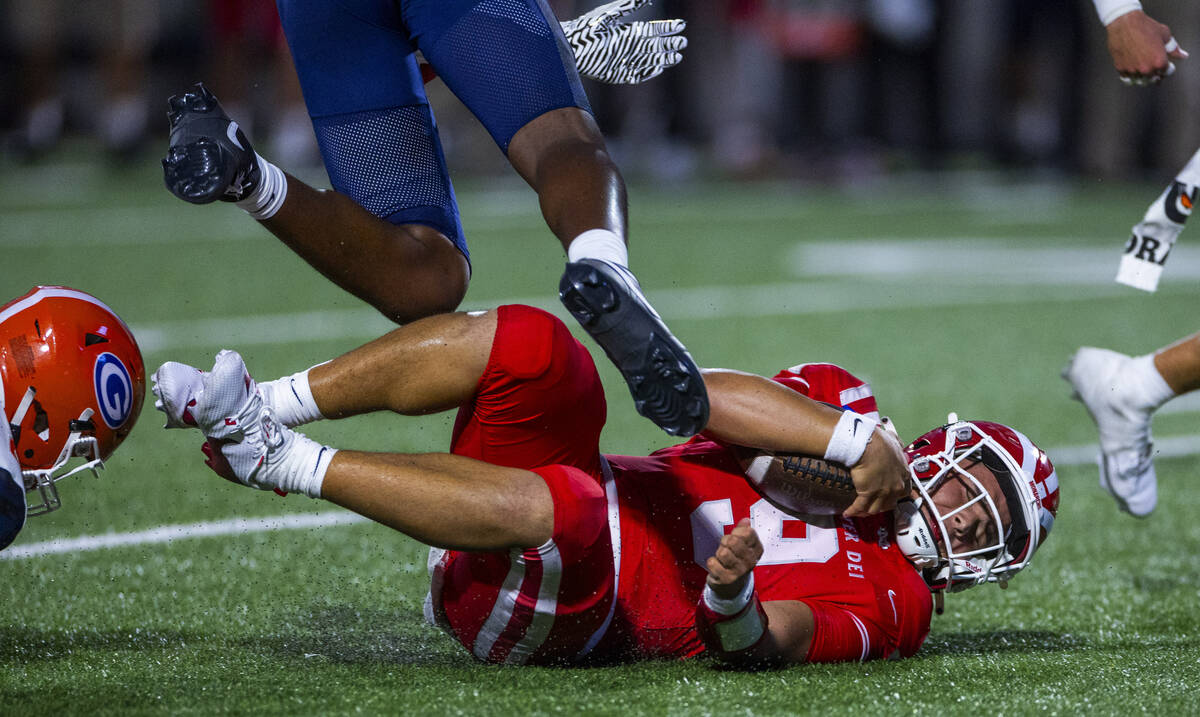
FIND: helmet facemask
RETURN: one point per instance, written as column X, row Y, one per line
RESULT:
column 76, row 445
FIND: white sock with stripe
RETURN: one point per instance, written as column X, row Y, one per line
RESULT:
column 291, row 399
column 300, row 467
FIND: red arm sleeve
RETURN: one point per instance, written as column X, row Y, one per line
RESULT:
column 840, row 636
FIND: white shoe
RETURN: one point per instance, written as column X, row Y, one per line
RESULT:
column 1126, row 457
column 176, row 386
column 1129, row 477
column 231, row 413
column 230, row 409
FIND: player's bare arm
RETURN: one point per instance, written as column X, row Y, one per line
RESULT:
column 753, row 411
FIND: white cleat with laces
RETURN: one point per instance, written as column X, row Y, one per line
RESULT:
column 1126, row 457
column 176, row 386
column 227, row 407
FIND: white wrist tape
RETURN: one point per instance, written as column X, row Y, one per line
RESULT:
column 850, row 438
column 729, row 606
column 268, row 196
column 1110, row 10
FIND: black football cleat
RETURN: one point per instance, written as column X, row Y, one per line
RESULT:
column 209, row 157
column 665, row 382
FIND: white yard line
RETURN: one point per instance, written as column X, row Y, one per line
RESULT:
column 171, row 533
column 804, row 298
column 66, row 227
column 1164, row 447
column 832, row 277
column 1168, row 447
column 1012, row 261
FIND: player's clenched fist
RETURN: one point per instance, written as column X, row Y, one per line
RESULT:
column 736, row 556
column 1142, row 49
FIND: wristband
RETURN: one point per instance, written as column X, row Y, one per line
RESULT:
column 728, row 606
column 1110, row 10
column 850, row 438
column 266, row 199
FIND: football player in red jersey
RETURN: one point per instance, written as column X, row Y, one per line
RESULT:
column 72, row 384
column 547, row 551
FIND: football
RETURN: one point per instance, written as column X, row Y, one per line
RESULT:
column 798, row 484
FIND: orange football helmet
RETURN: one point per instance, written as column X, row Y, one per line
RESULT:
column 73, row 382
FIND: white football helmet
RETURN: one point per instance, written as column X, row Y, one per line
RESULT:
column 1014, row 516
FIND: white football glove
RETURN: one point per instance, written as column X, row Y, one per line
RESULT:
column 623, row 53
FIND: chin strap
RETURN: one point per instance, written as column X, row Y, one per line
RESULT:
column 19, row 414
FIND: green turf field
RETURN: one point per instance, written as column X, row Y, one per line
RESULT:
column 962, row 293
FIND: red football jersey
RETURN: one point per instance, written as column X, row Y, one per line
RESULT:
column 867, row 600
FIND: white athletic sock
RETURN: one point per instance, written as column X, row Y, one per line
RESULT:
column 268, row 196
column 300, row 468
column 291, row 399
column 599, row 244
column 1190, row 174
column 1146, row 387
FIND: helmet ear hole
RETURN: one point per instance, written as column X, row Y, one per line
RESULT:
column 41, row 420
column 78, row 426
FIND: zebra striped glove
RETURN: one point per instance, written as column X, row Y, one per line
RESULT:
column 623, row 53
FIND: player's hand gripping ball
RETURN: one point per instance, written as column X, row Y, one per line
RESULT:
column 798, row 484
